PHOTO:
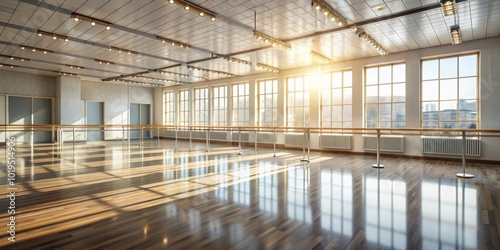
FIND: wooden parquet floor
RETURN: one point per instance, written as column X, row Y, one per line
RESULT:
column 107, row 196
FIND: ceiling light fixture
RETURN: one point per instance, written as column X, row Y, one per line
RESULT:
column 77, row 17
column 210, row 71
column 361, row 33
column 271, row 40
column 104, row 62
column 232, row 59
column 171, row 73
column 157, row 79
column 34, row 49
column 267, row 38
column 322, row 58
column 268, row 67
column 22, row 59
column 134, row 82
column 329, row 12
column 75, row 66
column 130, row 52
column 53, row 35
column 196, row 8
column 64, row 73
column 456, row 36
column 173, row 42
column 8, row 65
column 449, row 7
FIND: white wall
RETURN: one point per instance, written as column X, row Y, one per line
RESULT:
column 489, row 88
column 116, row 98
column 70, row 95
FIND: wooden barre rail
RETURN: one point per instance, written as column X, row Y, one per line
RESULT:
column 306, row 131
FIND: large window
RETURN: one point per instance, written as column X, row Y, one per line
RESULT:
column 298, row 101
column 385, row 96
column 201, row 109
column 450, row 92
column 268, row 103
column 336, row 99
column 184, row 109
column 219, row 104
column 168, row 108
column 241, row 104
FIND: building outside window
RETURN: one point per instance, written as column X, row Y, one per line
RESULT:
column 201, row 108
column 336, row 99
column 219, row 105
column 385, row 96
column 450, row 92
column 168, row 108
column 298, row 100
column 184, row 109
column 241, row 104
column 268, row 103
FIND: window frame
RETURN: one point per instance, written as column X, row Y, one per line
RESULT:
column 199, row 119
column 216, row 115
column 378, row 121
column 274, row 102
column 305, row 108
column 166, row 112
column 342, row 105
column 245, row 109
column 458, row 77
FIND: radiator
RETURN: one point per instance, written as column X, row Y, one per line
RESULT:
column 294, row 140
column 244, row 137
column 169, row 134
column 450, row 146
column 199, row 135
column 265, row 137
column 335, row 141
column 387, row 144
column 182, row 134
column 218, row 136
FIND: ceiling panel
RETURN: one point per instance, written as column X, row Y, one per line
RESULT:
column 136, row 23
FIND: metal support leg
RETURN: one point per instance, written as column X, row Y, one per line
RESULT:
column 464, row 149
column 158, row 137
column 208, row 141
column 73, row 137
column 239, row 142
column 378, row 165
column 255, row 142
column 175, row 146
column 141, row 144
column 304, row 148
column 190, row 140
column 123, row 135
column 274, row 143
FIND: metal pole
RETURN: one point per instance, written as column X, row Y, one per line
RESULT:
column 190, row 139
column 73, row 136
column 175, row 146
column 142, row 138
column 208, row 140
column 274, row 143
column 464, row 149
column 239, row 142
column 158, row 136
column 123, row 135
column 308, row 145
column 304, row 148
column 255, row 139
column 378, row 165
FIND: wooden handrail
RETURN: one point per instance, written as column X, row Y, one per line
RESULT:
column 312, row 130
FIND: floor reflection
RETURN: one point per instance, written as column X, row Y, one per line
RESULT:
column 385, row 201
column 449, row 215
column 336, row 201
column 298, row 206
